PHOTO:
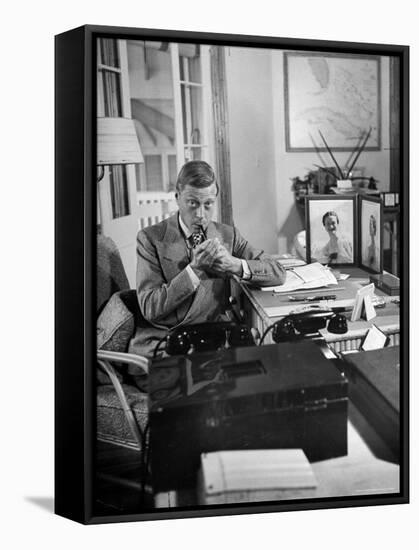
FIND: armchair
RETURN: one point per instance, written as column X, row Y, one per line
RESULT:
column 121, row 407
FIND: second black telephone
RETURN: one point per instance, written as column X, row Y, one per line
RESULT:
column 298, row 325
column 207, row 336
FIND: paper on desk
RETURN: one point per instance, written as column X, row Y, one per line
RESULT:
column 249, row 470
column 305, row 277
column 375, row 339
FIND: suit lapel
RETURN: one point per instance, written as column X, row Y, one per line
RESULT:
column 173, row 250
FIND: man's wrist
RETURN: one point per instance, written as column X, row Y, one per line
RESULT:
column 247, row 274
column 237, row 267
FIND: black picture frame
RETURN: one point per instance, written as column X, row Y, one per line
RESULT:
column 374, row 205
column 390, row 200
column 75, row 271
column 346, row 208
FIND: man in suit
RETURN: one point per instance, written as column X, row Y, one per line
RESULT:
column 184, row 262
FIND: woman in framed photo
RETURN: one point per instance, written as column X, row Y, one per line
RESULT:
column 330, row 229
column 338, row 249
column 371, row 252
column 371, row 233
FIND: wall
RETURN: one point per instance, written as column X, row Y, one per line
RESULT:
column 263, row 201
column 290, row 165
column 249, row 89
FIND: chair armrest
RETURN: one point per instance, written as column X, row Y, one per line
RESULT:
column 126, row 358
column 105, row 359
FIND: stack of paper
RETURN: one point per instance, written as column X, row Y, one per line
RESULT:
column 254, row 475
column 305, row 277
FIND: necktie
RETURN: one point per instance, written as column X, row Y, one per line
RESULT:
column 196, row 239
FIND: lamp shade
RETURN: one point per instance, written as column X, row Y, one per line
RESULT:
column 117, row 142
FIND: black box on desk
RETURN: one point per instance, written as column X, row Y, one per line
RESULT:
column 387, row 283
column 268, row 397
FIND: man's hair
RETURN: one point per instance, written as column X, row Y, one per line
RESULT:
column 196, row 173
column 328, row 214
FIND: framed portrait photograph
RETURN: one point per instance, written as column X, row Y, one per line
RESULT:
column 371, row 233
column 314, row 85
column 331, row 229
column 184, row 386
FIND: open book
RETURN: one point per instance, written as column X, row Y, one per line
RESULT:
column 305, row 277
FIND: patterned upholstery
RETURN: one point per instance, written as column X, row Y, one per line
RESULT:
column 118, row 315
column 112, row 426
column 115, row 325
column 111, row 275
column 114, row 329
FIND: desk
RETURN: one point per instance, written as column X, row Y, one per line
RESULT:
column 263, row 308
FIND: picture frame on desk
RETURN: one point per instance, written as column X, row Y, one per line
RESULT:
column 390, row 200
column 117, row 145
column 371, row 233
column 332, row 229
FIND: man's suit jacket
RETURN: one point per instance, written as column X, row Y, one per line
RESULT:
column 166, row 295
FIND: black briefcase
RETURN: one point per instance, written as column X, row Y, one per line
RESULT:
column 374, row 389
column 269, row 397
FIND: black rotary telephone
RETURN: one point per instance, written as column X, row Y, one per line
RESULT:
column 207, row 337
column 300, row 324
column 307, row 323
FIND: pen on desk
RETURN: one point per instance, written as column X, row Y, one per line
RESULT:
column 303, row 292
column 311, row 298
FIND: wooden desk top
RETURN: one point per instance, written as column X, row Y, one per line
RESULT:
column 271, row 307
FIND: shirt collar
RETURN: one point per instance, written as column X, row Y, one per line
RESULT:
column 186, row 232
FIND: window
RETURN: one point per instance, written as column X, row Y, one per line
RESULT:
column 110, row 104
column 191, row 81
column 191, row 97
column 168, row 90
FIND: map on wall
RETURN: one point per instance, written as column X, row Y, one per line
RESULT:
column 338, row 95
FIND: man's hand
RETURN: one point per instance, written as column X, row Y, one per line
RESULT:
column 226, row 263
column 212, row 256
column 204, row 255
